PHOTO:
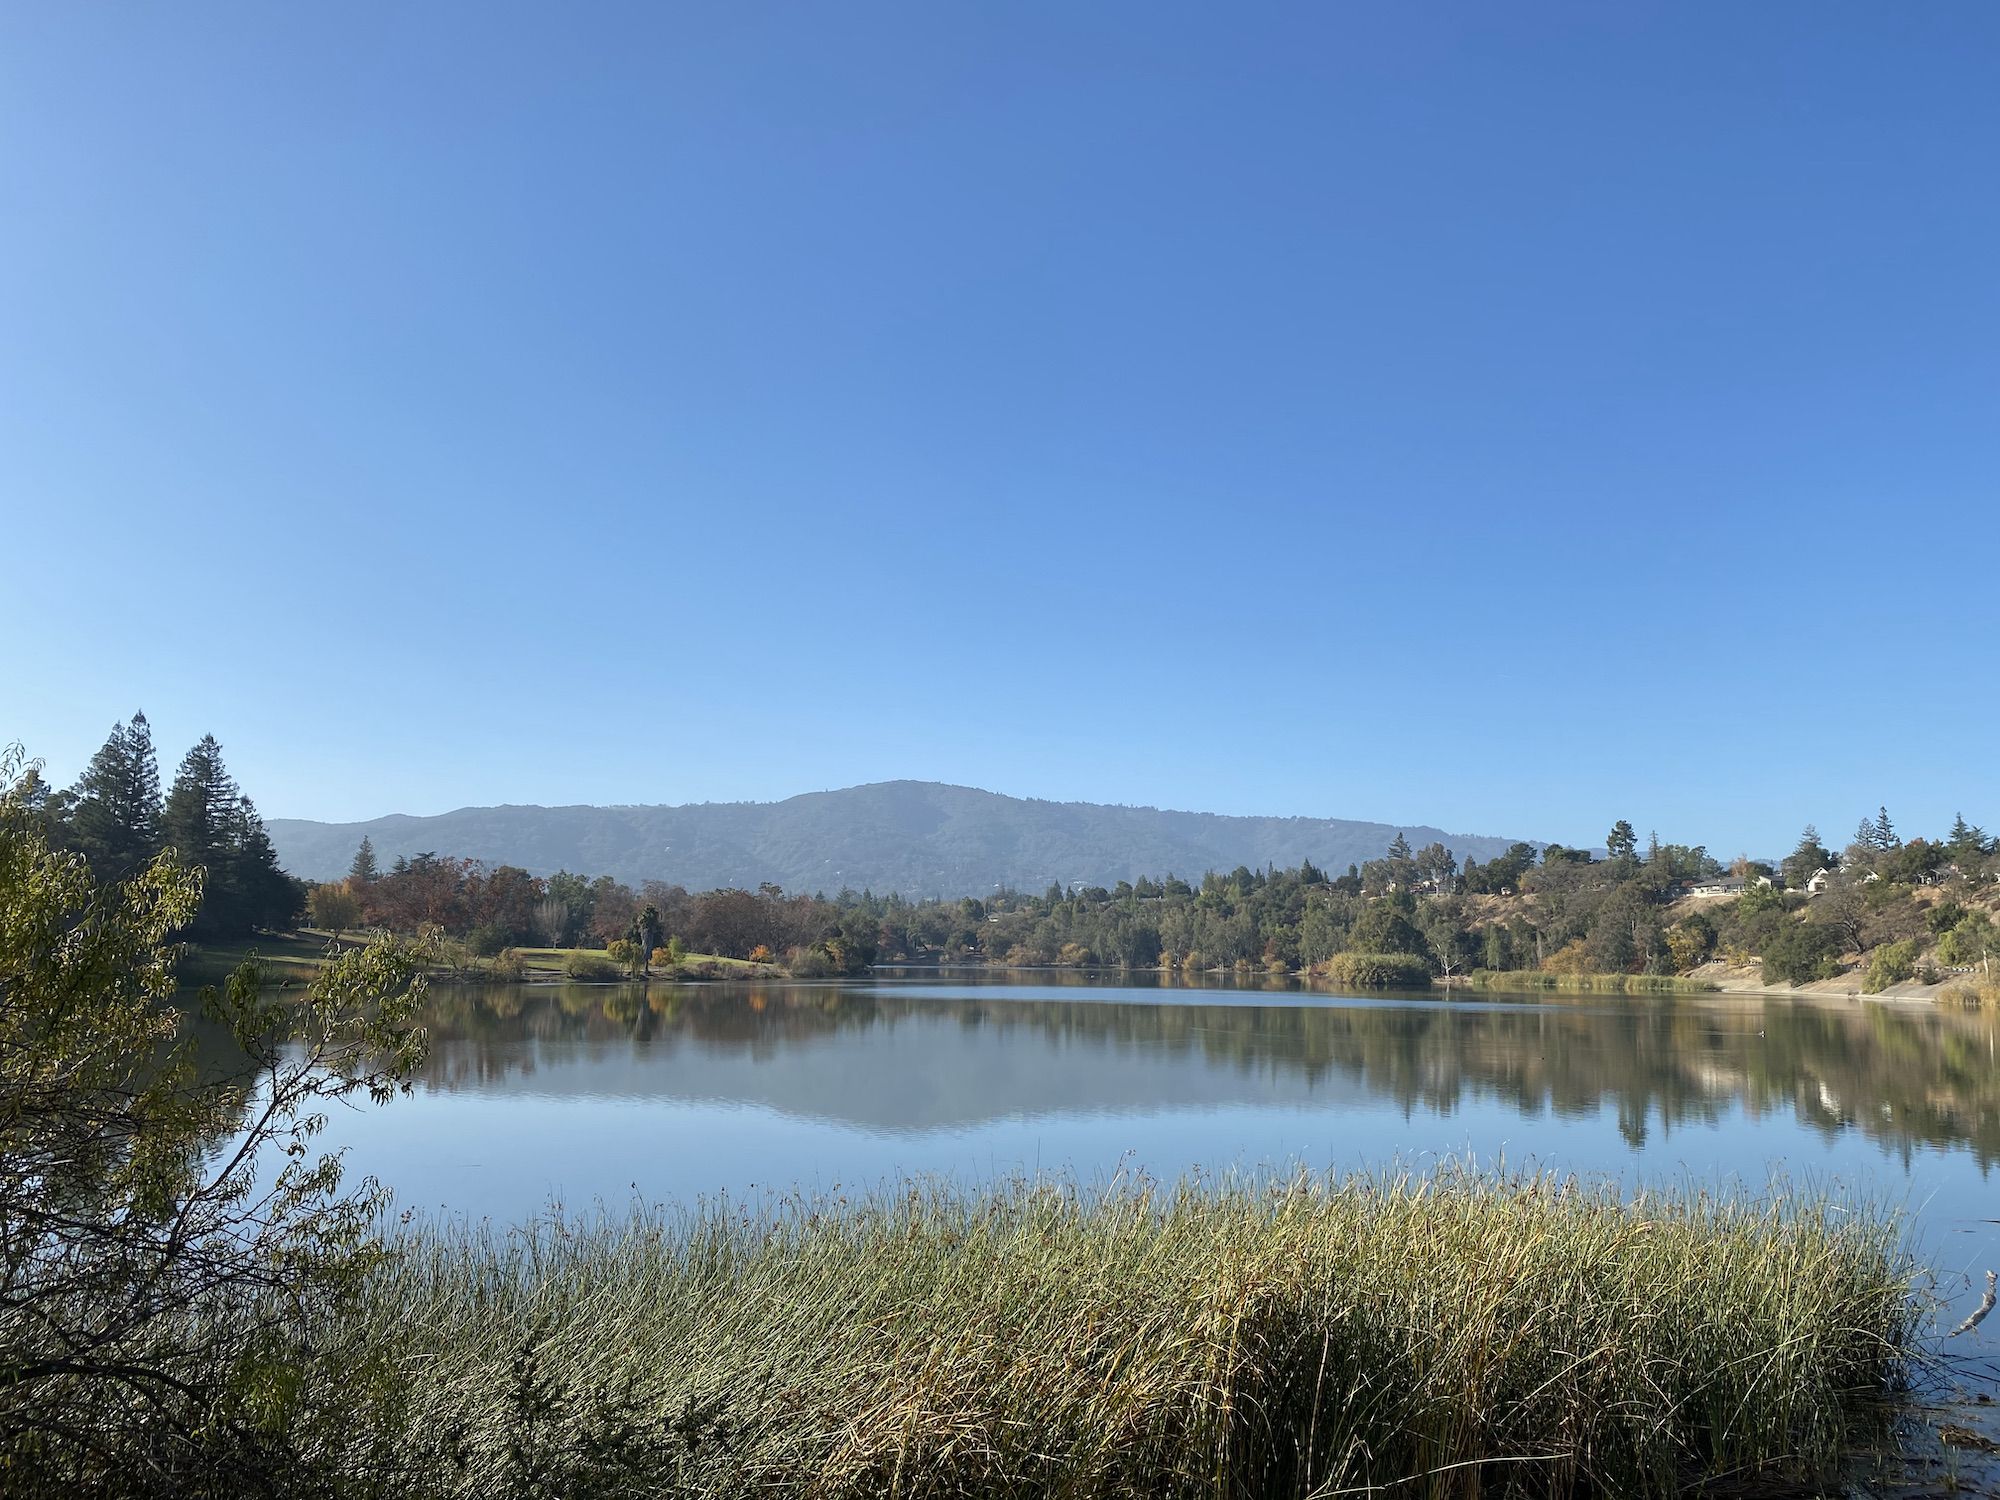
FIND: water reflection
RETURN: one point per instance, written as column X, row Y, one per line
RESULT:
column 926, row 1058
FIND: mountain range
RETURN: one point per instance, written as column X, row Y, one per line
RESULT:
column 919, row 838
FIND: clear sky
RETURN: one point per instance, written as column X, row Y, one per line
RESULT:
column 1502, row 417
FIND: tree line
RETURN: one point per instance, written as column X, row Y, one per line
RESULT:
column 118, row 819
column 1405, row 917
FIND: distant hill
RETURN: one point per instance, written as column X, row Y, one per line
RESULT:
column 917, row 837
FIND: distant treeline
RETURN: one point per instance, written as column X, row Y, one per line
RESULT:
column 1412, row 914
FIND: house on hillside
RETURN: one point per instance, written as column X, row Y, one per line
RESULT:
column 1719, row 885
column 1819, row 880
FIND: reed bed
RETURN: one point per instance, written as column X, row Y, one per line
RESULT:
column 1588, row 984
column 1455, row 1335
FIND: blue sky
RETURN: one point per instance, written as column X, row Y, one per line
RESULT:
column 1509, row 418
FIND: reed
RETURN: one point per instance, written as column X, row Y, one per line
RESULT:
column 1588, row 984
column 1455, row 1335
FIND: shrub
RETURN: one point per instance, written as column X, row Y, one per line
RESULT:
column 1799, row 953
column 487, row 939
column 1690, row 941
column 592, row 968
column 1970, row 940
column 811, row 963
column 1891, row 963
column 507, row 966
column 1375, row 971
column 761, row 954
column 1571, row 958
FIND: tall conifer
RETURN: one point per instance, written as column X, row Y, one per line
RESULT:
column 117, row 818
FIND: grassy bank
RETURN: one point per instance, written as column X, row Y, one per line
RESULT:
column 1309, row 1337
column 294, row 957
column 1588, row 984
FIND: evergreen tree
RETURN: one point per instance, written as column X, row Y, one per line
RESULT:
column 1885, row 832
column 1807, row 860
column 1967, row 841
column 1399, row 847
column 364, row 871
column 116, row 823
column 1622, row 842
column 267, row 896
column 202, row 824
column 1864, row 835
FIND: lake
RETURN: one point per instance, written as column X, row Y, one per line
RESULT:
column 599, row 1095
column 591, row 1094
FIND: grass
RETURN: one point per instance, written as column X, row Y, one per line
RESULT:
column 294, row 957
column 289, row 957
column 1974, row 992
column 1459, row 1336
column 551, row 962
column 1588, row 984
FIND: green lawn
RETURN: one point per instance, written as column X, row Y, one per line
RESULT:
column 295, row 957
column 290, row 957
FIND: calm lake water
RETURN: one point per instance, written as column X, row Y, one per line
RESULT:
column 672, row 1093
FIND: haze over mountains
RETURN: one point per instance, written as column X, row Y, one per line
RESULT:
column 915, row 837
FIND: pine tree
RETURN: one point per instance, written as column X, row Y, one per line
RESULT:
column 267, row 896
column 1967, row 843
column 201, row 824
column 1399, row 848
column 1865, row 834
column 364, row 870
column 1885, row 832
column 117, row 818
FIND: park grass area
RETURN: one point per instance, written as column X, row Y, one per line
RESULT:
column 552, row 962
column 1588, row 984
column 287, row 957
column 294, row 957
column 1454, row 1336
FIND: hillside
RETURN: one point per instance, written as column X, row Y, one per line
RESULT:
column 919, row 838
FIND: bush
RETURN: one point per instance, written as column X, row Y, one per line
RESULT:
column 1970, row 940
column 592, row 968
column 1375, row 971
column 1892, row 963
column 1799, row 953
column 507, row 966
column 487, row 940
column 1690, row 941
column 811, row 963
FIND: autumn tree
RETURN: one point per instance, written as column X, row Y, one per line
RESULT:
column 333, row 907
